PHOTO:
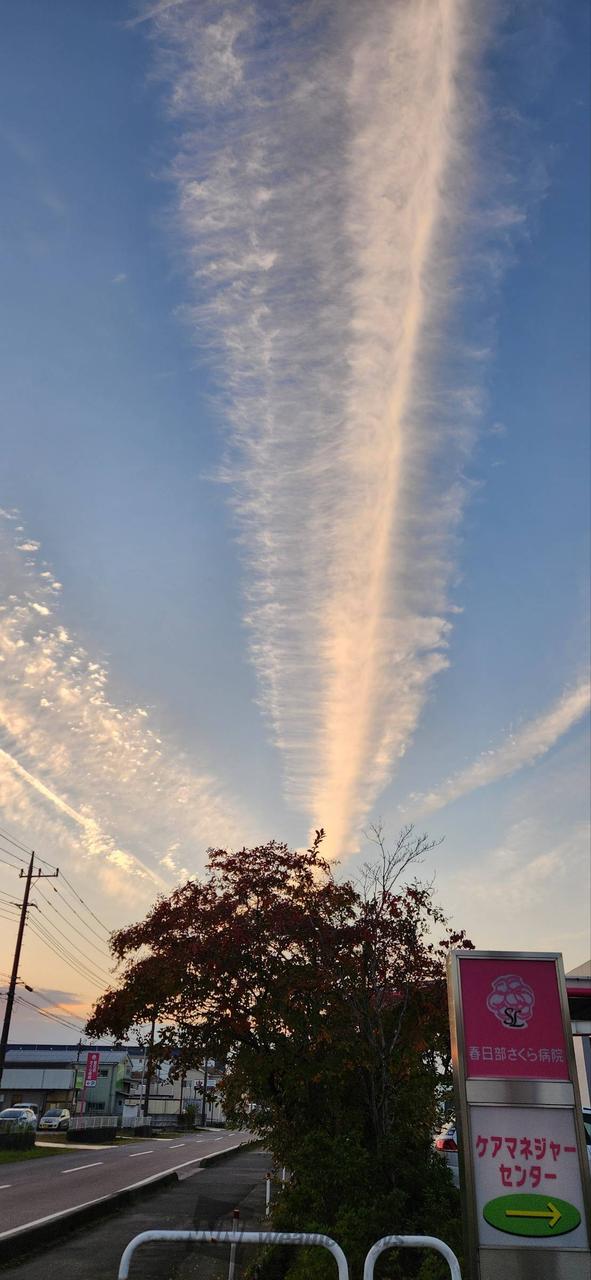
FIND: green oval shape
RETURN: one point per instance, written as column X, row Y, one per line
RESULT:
column 529, row 1215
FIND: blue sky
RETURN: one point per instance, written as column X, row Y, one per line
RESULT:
column 295, row 396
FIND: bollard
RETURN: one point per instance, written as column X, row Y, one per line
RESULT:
column 232, row 1263
column 283, row 1176
column 268, row 1195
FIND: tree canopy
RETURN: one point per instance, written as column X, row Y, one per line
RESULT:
column 326, row 998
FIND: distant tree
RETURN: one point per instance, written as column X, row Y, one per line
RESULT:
column 327, row 1000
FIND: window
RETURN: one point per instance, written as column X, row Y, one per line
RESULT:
column 104, row 1073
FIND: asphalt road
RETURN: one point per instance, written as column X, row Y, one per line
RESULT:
column 204, row 1199
column 33, row 1190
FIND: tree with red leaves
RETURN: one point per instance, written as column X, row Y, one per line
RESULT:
column 327, row 1001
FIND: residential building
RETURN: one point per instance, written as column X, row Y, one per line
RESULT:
column 53, row 1076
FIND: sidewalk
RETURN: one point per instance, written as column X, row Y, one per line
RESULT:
column 203, row 1200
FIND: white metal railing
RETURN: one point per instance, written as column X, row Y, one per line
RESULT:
column 136, row 1122
column 411, row 1242
column 234, row 1238
column 305, row 1239
column 93, row 1122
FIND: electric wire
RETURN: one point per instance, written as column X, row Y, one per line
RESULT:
column 60, row 951
column 12, row 840
column 52, row 1017
column 102, row 951
column 50, row 926
column 85, row 904
column 77, row 913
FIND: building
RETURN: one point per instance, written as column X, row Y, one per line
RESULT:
column 53, row 1076
column 578, row 988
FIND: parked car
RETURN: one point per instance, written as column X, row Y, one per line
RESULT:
column 446, row 1142
column 28, row 1106
column 21, row 1117
column 55, row 1118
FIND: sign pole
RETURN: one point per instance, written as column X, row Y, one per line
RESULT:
column 524, row 1172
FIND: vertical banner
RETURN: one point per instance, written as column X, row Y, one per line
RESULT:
column 524, row 1170
column 92, row 1070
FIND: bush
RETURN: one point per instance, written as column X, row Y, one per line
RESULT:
column 17, row 1140
column 94, row 1136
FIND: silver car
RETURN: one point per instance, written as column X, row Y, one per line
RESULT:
column 18, row 1117
column 55, row 1118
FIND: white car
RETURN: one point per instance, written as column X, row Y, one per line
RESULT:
column 21, row 1117
column 55, row 1118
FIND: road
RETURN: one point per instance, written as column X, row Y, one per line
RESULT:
column 33, row 1190
column 204, row 1200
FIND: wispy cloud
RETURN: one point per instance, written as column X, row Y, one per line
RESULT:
column 320, row 194
column 522, row 890
column 90, row 777
column 519, row 749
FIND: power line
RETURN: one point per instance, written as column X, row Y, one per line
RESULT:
column 8, row 864
column 16, row 843
column 59, row 951
column 76, row 913
column 52, row 1017
column 16, row 959
column 46, row 1014
column 18, row 861
column 76, row 951
column 19, row 845
column 85, row 904
column 56, row 1005
column 102, row 950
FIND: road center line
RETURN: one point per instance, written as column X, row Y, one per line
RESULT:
column 134, row 1154
column 177, row 1145
column 94, row 1165
column 5, row 1186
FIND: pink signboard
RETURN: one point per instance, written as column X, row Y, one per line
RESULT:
column 92, row 1070
column 512, row 1019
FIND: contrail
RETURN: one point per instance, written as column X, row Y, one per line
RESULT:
column 95, row 837
column 319, row 191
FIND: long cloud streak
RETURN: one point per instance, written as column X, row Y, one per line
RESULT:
column 519, row 749
column 317, row 204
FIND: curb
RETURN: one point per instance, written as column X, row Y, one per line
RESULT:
column 25, row 1239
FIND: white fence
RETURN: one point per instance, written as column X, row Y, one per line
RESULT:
column 94, row 1122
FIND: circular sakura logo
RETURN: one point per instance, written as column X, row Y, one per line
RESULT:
column 511, row 1000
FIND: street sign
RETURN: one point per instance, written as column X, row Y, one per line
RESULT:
column 92, row 1070
column 532, row 1216
column 523, row 1163
column 525, row 1150
column 513, row 1020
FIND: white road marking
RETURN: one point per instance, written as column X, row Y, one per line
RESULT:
column 5, row 1185
column 177, row 1145
column 141, row 1153
column 83, row 1166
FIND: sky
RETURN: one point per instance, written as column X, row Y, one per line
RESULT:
column 294, row 408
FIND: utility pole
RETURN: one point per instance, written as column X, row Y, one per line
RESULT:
column 40, row 875
column 149, row 1064
column 204, row 1100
